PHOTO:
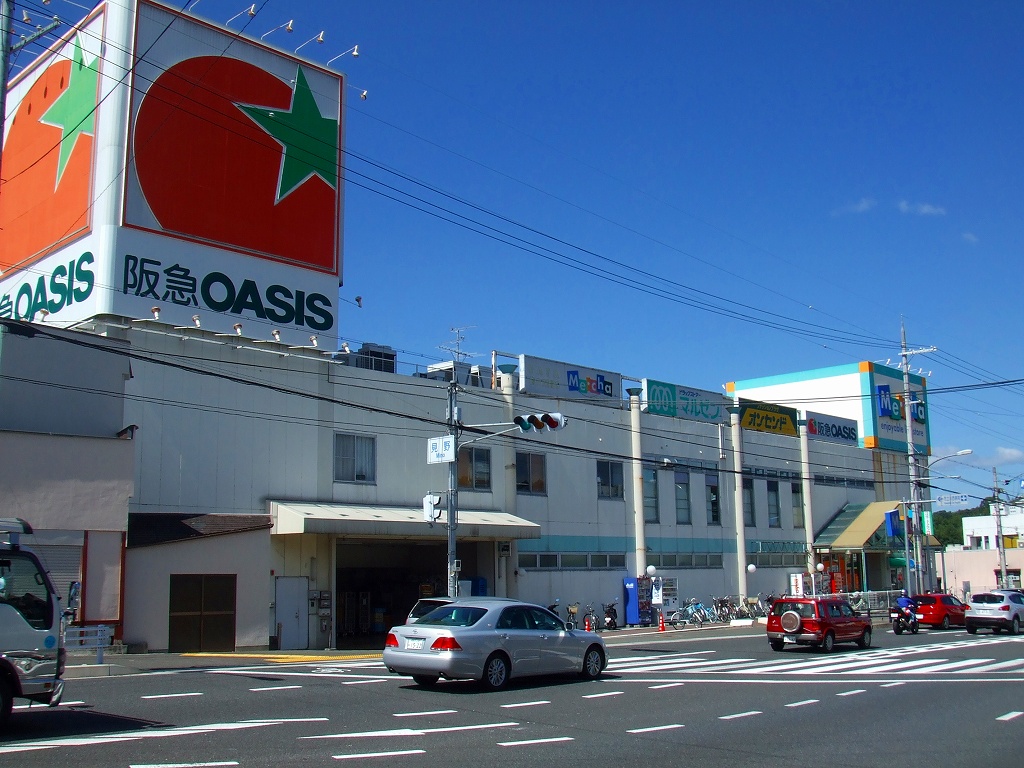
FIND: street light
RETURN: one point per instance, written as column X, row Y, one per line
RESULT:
column 918, row 515
column 820, row 567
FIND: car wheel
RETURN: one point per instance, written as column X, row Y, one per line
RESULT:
column 496, row 672
column 777, row 645
column 997, row 630
column 593, row 663
column 865, row 640
column 971, row 629
column 6, row 701
column 425, row 681
column 828, row 643
column 1015, row 626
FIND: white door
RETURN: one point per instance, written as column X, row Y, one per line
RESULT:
column 291, row 596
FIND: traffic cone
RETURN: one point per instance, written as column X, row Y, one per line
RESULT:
column 661, row 621
column 586, row 623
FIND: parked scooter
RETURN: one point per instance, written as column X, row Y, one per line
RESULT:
column 903, row 620
column 554, row 607
column 611, row 615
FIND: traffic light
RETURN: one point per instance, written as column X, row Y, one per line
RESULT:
column 540, row 421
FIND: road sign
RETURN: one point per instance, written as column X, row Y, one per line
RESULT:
column 441, row 450
column 952, row 499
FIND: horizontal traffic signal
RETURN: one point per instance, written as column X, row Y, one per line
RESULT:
column 540, row 421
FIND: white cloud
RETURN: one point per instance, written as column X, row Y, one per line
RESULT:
column 970, row 237
column 1009, row 456
column 921, row 209
column 863, row 205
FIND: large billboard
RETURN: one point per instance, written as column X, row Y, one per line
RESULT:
column 552, row 378
column 201, row 184
column 666, row 399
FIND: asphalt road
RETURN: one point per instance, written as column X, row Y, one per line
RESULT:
column 714, row 698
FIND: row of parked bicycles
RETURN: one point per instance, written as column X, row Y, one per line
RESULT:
column 696, row 613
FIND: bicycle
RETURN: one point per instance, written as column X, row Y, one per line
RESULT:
column 591, row 618
column 571, row 610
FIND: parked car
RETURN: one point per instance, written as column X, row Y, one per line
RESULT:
column 998, row 610
column 817, row 621
column 424, row 606
column 939, row 610
column 491, row 640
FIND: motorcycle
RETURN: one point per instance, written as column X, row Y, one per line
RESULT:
column 554, row 607
column 903, row 620
column 611, row 615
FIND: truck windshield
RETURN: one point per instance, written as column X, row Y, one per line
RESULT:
column 23, row 587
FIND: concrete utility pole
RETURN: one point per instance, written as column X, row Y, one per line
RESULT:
column 453, row 486
column 914, row 510
column 997, row 511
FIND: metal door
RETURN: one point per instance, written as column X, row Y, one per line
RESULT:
column 290, row 599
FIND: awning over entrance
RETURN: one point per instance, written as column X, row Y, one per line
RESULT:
column 863, row 526
column 379, row 522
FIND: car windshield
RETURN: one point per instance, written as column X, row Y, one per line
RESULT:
column 987, row 599
column 453, row 616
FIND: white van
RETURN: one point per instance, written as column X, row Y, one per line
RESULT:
column 32, row 652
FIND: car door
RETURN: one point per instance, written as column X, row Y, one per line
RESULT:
column 954, row 609
column 557, row 648
column 518, row 638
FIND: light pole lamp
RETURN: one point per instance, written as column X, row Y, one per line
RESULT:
column 925, row 481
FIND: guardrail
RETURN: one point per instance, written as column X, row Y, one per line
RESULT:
column 88, row 638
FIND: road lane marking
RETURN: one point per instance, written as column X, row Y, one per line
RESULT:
column 657, row 728
column 363, row 682
column 172, row 695
column 894, row 685
column 534, row 741
column 738, row 715
column 1009, row 716
column 426, row 714
column 602, row 695
column 399, row 753
column 276, row 688
column 665, row 685
column 407, row 731
column 184, row 765
column 851, row 693
column 524, row 704
column 803, row 703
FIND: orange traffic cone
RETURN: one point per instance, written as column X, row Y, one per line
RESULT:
column 661, row 621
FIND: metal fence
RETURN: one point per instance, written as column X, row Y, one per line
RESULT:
column 97, row 638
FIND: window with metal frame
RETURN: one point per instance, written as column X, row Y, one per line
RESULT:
column 774, row 512
column 682, row 481
column 355, row 458
column 609, row 480
column 749, row 518
column 474, row 468
column 531, row 473
column 650, row 485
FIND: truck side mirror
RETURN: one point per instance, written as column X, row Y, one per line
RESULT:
column 74, row 595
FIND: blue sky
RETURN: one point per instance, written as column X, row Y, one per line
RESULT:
column 786, row 181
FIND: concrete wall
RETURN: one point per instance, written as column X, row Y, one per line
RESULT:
column 147, row 586
column 978, row 568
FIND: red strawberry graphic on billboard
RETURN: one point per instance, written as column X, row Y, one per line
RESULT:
column 230, row 154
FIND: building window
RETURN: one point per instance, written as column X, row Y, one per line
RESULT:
column 774, row 513
column 531, row 473
column 714, row 510
column 474, row 468
column 749, row 519
column 355, row 459
column 650, row 475
column 682, row 479
column 798, row 505
column 609, row 480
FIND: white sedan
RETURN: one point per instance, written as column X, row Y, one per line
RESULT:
column 491, row 640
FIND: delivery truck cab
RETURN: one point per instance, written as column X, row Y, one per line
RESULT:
column 32, row 654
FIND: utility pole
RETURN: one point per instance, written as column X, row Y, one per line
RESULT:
column 913, row 511
column 997, row 511
column 453, row 487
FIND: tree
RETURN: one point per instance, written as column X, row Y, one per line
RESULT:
column 948, row 525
